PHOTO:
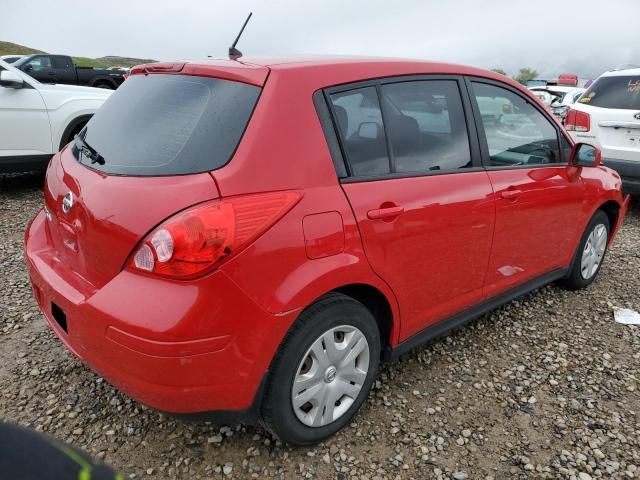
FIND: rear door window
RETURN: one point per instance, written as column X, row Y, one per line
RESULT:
column 169, row 125
column 622, row 92
column 516, row 132
column 426, row 126
column 359, row 120
column 61, row 62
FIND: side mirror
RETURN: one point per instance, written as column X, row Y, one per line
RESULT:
column 10, row 79
column 28, row 68
column 368, row 130
column 586, row 155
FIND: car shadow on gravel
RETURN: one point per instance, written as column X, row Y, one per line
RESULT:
column 634, row 206
column 14, row 182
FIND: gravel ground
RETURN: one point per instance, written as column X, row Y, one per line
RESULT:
column 545, row 387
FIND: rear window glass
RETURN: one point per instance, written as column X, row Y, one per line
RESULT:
column 614, row 92
column 60, row 61
column 169, row 125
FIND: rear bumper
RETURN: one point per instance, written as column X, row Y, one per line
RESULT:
column 629, row 172
column 179, row 347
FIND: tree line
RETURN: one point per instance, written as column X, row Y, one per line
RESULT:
column 523, row 75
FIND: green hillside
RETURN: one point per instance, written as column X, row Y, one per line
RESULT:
column 9, row 48
column 114, row 61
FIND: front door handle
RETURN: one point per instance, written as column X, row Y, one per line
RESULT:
column 511, row 194
column 385, row 213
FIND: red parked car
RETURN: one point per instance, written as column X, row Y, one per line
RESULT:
column 253, row 237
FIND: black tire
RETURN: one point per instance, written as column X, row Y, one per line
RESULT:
column 104, row 85
column 576, row 280
column 332, row 310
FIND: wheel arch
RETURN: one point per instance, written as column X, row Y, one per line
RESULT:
column 377, row 303
column 103, row 79
column 71, row 126
column 612, row 209
column 382, row 308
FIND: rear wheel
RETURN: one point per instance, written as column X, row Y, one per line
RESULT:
column 591, row 252
column 105, row 85
column 323, row 371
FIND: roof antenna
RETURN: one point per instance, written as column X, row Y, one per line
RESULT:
column 234, row 53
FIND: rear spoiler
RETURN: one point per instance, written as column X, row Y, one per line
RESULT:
column 225, row 69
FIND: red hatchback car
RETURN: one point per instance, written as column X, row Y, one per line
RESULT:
column 253, row 237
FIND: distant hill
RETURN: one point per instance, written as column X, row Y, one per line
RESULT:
column 115, row 61
column 9, row 48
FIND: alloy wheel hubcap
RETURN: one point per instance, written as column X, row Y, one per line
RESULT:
column 330, row 376
column 593, row 251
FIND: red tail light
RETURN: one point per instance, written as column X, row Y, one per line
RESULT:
column 196, row 240
column 577, row 121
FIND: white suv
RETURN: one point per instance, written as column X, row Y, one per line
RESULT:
column 37, row 119
column 608, row 116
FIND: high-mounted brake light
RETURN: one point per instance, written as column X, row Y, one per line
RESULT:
column 157, row 68
column 196, row 240
column 577, row 121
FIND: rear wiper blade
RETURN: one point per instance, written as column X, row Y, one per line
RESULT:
column 88, row 151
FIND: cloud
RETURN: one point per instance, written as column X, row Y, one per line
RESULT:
column 587, row 37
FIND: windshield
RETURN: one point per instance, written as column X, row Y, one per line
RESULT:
column 169, row 125
column 614, row 92
column 21, row 61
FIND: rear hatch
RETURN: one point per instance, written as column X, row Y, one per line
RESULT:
column 143, row 157
column 614, row 106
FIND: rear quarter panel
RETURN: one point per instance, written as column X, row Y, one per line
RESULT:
column 277, row 273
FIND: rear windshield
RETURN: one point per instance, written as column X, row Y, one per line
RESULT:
column 614, row 92
column 169, row 125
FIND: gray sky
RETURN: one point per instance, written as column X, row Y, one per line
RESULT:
column 583, row 36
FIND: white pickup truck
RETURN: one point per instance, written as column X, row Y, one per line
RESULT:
column 37, row 120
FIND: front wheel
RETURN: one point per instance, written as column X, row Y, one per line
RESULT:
column 591, row 252
column 323, row 371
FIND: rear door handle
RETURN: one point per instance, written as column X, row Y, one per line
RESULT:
column 384, row 213
column 511, row 194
